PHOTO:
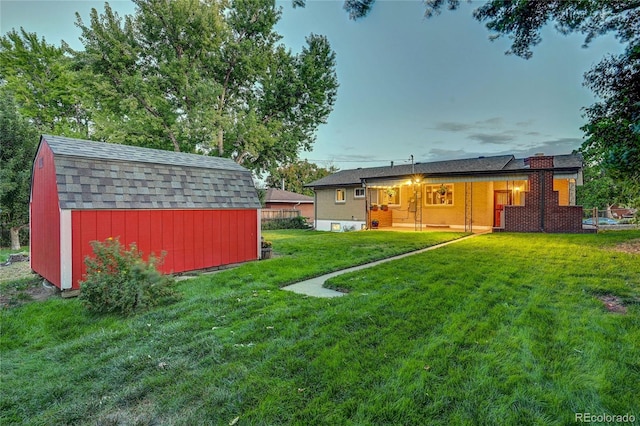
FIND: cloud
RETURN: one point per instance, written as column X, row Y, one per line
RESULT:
column 436, row 154
column 501, row 138
column 458, row 126
column 526, row 123
column 451, row 126
column 491, row 122
column 557, row 146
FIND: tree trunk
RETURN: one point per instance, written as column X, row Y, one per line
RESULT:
column 15, row 237
column 220, row 142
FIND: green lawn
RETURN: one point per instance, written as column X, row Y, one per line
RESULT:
column 497, row 329
column 5, row 252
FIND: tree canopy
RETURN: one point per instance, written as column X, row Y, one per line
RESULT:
column 41, row 79
column 207, row 76
column 613, row 129
column 296, row 175
column 18, row 143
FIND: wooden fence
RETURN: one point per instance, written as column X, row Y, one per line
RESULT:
column 272, row 214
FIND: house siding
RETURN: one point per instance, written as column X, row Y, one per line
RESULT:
column 353, row 209
column 561, row 186
column 449, row 215
column 535, row 194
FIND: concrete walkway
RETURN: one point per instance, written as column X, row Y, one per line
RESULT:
column 314, row 286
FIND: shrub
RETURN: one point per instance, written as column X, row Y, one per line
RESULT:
column 120, row 280
column 299, row 222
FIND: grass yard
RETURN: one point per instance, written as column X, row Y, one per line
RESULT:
column 497, row 329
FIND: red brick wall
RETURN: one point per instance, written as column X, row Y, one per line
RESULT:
column 541, row 211
column 540, row 162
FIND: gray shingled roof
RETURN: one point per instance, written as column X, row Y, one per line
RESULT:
column 469, row 166
column 275, row 195
column 96, row 175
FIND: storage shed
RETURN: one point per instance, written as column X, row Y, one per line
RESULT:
column 202, row 211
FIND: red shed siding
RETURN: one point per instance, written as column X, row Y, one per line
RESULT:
column 45, row 217
column 192, row 239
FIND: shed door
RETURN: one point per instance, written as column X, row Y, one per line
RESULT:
column 500, row 199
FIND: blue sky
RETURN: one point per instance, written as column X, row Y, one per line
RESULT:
column 435, row 89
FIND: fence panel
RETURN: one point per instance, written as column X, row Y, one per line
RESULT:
column 273, row 214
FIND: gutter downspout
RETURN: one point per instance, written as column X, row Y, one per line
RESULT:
column 315, row 209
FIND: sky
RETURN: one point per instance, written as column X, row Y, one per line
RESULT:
column 435, row 89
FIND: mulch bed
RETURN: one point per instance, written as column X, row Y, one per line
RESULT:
column 631, row 246
column 613, row 303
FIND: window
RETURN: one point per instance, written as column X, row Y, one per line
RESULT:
column 358, row 193
column 389, row 195
column 438, row 194
column 341, row 196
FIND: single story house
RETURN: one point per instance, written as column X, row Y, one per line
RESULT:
column 499, row 193
column 278, row 200
column 201, row 211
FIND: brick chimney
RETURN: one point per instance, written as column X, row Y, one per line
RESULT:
column 539, row 161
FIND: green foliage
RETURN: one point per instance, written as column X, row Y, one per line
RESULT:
column 613, row 130
column 119, row 280
column 296, row 175
column 46, row 87
column 18, row 144
column 599, row 189
column 298, row 222
column 210, row 76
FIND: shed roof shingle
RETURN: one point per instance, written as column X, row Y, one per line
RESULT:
column 97, row 175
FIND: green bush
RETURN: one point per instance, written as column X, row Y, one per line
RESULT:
column 121, row 281
column 299, row 222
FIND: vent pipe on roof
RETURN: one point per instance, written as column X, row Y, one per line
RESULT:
column 283, row 184
column 539, row 154
column 392, row 164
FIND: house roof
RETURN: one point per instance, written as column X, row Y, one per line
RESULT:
column 275, row 195
column 470, row 166
column 97, row 175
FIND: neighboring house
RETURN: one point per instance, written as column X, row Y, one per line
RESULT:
column 278, row 199
column 500, row 193
column 200, row 211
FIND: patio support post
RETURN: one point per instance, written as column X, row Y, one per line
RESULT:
column 367, row 198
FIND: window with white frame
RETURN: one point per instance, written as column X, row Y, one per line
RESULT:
column 358, row 193
column 438, row 195
column 341, row 196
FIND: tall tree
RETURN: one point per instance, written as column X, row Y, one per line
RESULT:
column 209, row 76
column 296, row 174
column 613, row 130
column 18, row 142
column 46, row 88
